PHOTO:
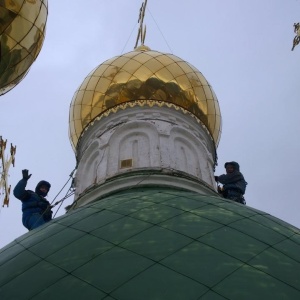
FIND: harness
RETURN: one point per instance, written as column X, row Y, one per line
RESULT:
column 234, row 194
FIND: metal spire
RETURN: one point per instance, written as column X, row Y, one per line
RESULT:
column 142, row 29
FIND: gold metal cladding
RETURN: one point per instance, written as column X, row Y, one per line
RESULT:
column 22, row 30
column 141, row 103
column 139, row 76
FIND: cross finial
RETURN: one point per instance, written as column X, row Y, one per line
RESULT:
column 142, row 29
column 5, row 163
column 296, row 40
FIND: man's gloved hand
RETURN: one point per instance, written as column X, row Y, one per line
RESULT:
column 216, row 178
column 25, row 174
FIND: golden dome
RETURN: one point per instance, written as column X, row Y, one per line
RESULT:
column 22, row 26
column 144, row 77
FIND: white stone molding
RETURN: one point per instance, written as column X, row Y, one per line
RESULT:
column 144, row 138
column 162, row 178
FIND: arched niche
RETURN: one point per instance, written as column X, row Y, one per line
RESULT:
column 133, row 145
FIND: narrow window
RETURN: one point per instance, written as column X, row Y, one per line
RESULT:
column 126, row 163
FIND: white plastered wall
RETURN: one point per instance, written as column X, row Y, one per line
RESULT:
column 151, row 138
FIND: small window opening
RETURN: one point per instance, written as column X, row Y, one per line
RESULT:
column 126, row 163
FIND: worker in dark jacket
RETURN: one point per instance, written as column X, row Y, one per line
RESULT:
column 36, row 209
column 234, row 184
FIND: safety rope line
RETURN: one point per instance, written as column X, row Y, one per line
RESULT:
column 71, row 191
column 70, row 177
column 160, row 31
column 146, row 177
column 62, row 200
column 133, row 29
column 74, row 204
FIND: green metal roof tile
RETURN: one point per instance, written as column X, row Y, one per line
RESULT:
column 296, row 238
column 186, row 204
column 31, row 282
column 34, row 232
column 234, row 243
column 41, row 233
column 218, row 214
column 165, row 190
column 147, row 194
column 19, row 265
column 160, row 283
column 215, row 200
column 255, row 210
column 76, row 215
column 79, row 252
column 191, row 225
column 130, row 206
column 156, row 213
column 279, row 266
column 276, row 226
column 161, row 196
column 114, row 200
column 200, row 244
column 70, row 287
column 284, row 224
column 112, row 269
column 101, row 218
column 121, row 229
column 174, row 193
column 210, row 295
column 258, row 231
column 8, row 246
column 55, row 242
column 238, row 208
column 156, row 243
column 248, row 283
column 203, row 263
column 10, row 252
column 289, row 248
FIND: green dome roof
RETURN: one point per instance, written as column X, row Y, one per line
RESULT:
column 155, row 244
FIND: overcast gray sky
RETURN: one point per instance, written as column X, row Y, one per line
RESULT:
column 243, row 48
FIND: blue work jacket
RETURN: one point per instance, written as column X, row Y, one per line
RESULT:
column 32, row 203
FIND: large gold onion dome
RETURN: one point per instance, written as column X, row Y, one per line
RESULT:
column 22, row 30
column 144, row 77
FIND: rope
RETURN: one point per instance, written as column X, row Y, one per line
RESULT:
column 42, row 215
column 70, row 177
column 160, row 31
column 62, row 201
column 74, row 204
column 128, row 38
column 146, row 177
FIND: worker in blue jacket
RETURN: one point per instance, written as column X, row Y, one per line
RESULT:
column 36, row 209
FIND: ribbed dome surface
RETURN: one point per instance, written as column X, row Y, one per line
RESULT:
column 155, row 244
column 144, row 77
column 22, row 28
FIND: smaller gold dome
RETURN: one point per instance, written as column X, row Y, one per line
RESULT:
column 22, row 28
column 137, row 78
